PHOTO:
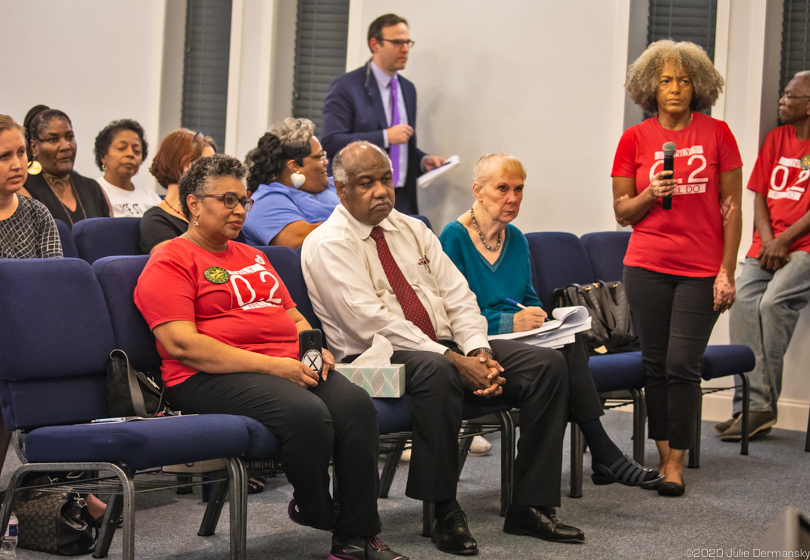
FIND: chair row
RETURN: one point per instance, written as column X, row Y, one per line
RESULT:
column 560, row 259
column 96, row 238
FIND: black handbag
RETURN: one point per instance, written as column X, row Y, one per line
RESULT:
column 611, row 323
column 130, row 392
column 55, row 523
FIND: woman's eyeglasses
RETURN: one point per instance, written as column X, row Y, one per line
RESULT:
column 230, row 200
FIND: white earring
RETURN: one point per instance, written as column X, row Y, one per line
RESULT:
column 298, row 179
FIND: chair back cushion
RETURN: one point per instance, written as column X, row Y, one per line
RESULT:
column 558, row 260
column 288, row 265
column 105, row 237
column 605, row 250
column 69, row 250
column 55, row 337
column 423, row 219
column 118, row 277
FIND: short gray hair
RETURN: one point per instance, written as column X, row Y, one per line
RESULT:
column 198, row 177
column 339, row 172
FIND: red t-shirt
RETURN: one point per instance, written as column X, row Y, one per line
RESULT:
column 779, row 176
column 235, row 297
column 688, row 239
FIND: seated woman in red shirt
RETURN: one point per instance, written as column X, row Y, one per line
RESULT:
column 227, row 331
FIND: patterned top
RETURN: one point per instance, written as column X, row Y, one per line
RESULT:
column 29, row 232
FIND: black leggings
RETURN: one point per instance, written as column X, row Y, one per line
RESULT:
column 674, row 318
column 335, row 419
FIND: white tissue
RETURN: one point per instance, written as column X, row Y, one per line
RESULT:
column 378, row 355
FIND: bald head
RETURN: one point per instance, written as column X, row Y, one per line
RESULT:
column 364, row 183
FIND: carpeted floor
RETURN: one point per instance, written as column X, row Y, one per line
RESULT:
column 730, row 502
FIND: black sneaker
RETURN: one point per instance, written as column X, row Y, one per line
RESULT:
column 363, row 548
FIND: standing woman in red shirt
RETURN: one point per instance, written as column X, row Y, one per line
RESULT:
column 679, row 266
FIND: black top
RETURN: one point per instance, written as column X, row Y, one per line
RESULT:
column 158, row 226
column 91, row 202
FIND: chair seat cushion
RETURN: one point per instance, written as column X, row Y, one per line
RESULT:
column 262, row 444
column 394, row 415
column 617, row 372
column 721, row 360
column 142, row 444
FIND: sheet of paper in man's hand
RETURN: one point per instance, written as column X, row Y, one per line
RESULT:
column 428, row 177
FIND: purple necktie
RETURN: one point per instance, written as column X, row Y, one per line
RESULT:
column 395, row 121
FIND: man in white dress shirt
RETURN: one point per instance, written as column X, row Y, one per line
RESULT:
column 372, row 270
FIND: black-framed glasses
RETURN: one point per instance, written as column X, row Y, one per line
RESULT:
column 319, row 155
column 230, row 200
column 786, row 95
column 399, row 43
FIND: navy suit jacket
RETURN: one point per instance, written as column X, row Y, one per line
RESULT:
column 353, row 110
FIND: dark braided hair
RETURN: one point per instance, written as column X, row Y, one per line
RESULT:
column 37, row 119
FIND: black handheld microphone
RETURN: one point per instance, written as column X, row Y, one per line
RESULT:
column 669, row 165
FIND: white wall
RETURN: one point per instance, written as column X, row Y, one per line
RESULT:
column 518, row 77
column 98, row 60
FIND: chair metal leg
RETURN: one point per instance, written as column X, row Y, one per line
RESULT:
column 391, row 464
column 237, row 483
column 745, row 408
column 507, row 459
column 216, row 500
column 427, row 518
column 694, row 453
column 807, row 440
column 464, row 446
column 639, row 425
column 577, row 460
column 108, row 526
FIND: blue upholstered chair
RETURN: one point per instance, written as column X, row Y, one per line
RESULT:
column 606, row 251
column 68, row 246
column 55, row 338
column 422, row 218
column 394, row 415
column 559, row 259
column 105, row 237
column 118, row 277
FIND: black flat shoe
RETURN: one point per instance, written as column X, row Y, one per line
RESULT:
column 624, row 471
column 541, row 523
column 671, row 489
column 652, row 484
column 452, row 534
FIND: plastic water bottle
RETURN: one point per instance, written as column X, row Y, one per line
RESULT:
column 9, row 547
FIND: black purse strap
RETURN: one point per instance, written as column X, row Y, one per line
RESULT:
column 134, row 388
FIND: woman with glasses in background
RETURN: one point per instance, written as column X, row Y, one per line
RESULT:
column 291, row 189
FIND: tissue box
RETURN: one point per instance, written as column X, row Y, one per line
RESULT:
column 383, row 381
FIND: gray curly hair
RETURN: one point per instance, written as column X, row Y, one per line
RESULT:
column 198, row 177
column 642, row 75
column 294, row 134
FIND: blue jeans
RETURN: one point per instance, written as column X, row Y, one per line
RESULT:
column 764, row 318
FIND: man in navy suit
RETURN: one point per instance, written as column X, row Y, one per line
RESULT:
column 376, row 104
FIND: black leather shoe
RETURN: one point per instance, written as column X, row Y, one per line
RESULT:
column 672, row 489
column 452, row 535
column 541, row 523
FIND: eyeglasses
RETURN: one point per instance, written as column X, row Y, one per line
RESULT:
column 399, row 43
column 321, row 155
column 230, row 200
column 786, row 95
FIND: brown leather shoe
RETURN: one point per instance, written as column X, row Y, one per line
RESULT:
column 758, row 423
column 541, row 523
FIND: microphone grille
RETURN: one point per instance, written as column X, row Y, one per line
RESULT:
column 669, row 149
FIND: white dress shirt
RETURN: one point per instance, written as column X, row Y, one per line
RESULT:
column 354, row 300
column 384, row 83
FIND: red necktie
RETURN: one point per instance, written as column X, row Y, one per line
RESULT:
column 413, row 309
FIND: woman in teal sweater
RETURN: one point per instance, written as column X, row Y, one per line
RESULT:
column 494, row 257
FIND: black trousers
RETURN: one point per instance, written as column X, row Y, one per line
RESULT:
column 674, row 318
column 335, row 419
column 536, row 381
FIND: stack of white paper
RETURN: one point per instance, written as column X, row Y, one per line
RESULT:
column 554, row 333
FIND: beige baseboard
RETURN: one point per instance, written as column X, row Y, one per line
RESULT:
column 792, row 413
